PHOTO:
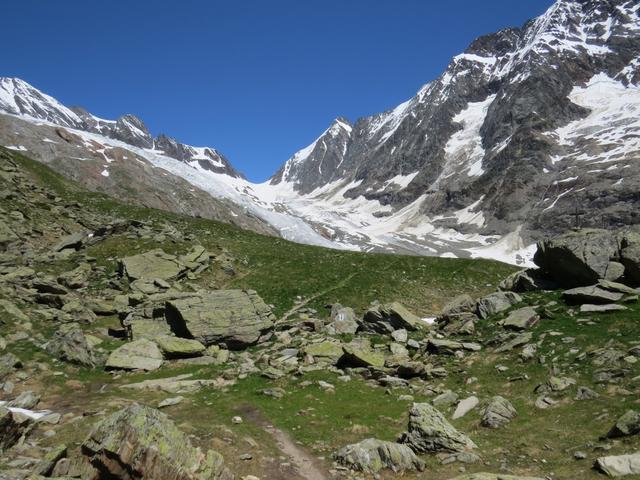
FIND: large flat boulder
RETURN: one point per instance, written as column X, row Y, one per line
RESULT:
column 390, row 317
column 591, row 294
column 619, row 465
column 141, row 442
column 235, row 318
column 176, row 347
column 151, row 265
column 325, row 352
column 521, row 319
column 140, row 354
column 372, row 455
column 429, row 431
column 577, row 258
column 359, row 353
column 497, row 302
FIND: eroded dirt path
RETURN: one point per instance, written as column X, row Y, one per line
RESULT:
column 306, row 466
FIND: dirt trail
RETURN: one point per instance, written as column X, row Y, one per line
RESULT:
column 306, row 465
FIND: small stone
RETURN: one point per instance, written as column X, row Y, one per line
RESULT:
column 168, row 402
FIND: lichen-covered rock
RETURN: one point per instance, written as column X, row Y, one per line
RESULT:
column 140, row 442
column 577, row 258
column 325, row 351
column 70, row 345
column 429, row 431
column 628, row 424
column 521, row 319
column 372, row 455
column 235, row 318
column 151, row 265
column 140, row 354
column 389, row 317
column 498, row 413
column 359, row 353
column 591, row 294
column 496, row 302
column 174, row 347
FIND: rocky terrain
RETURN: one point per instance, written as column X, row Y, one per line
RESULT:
column 528, row 132
column 142, row 344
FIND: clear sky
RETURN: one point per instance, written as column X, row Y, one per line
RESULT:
column 256, row 79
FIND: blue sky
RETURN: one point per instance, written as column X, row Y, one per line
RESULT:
column 256, row 79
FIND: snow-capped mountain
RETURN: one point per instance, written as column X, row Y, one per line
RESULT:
column 522, row 127
column 17, row 97
column 527, row 132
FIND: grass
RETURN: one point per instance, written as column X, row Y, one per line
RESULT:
column 540, row 442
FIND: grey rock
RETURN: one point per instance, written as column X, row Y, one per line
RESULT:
column 577, row 258
column 70, row 345
column 591, row 294
column 585, row 393
column 12, row 427
column 372, row 455
column 521, row 319
column 627, row 425
column 496, row 302
column 151, row 265
column 175, row 347
column 75, row 241
column 619, row 465
column 235, row 318
column 498, row 413
column 527, row 280
column 429, row 431
column 630, row 254
column 445, row 399
column 143, row 440
column 26, row 399
column 465, row 406
column 344, row 319
column 140, row 354
column 389, row 317
column 611, row 307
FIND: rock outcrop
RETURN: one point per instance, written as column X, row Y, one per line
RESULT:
column 429, row 431
column 372, row 455
column 235, row 318
column 140, row 442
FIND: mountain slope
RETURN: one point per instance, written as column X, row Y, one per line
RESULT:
column 492, row 131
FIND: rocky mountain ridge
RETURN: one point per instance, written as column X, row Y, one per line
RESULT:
column 17, row 97
column 517, row 126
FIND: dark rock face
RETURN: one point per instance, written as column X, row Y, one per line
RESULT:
column 584, row 257
column 577, row 258
column 511, row 124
